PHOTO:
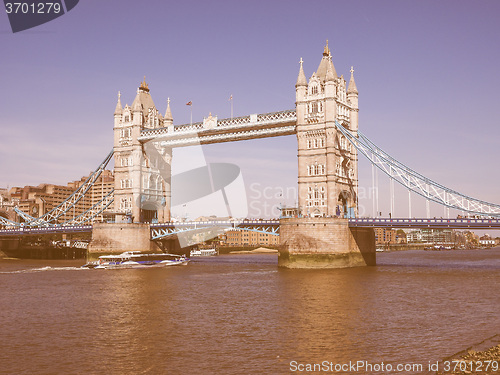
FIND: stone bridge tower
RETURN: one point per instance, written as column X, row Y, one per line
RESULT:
column 142, row 170
column 328, row 164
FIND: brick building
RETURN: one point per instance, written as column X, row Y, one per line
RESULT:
column 250, row 238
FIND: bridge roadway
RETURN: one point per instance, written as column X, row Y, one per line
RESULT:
column 165, row 230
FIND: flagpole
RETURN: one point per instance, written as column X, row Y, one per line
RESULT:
column 190, row 104
column 231, row 100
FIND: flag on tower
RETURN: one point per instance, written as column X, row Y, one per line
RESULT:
column 189, row 103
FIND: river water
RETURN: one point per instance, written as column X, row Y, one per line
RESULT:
column 240, row 314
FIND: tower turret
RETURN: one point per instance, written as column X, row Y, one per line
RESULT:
column 300, row 94
column 352, row 97
column 118, row 110
column 168, row 120
column 352, row 90
column 325, row 64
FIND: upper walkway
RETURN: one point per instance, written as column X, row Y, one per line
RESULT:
column 212, row 130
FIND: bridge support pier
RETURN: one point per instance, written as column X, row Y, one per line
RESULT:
column 324, row 243
column 9, row 248
column 115, row 238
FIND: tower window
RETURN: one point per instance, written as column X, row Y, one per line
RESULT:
column 126, row 183
column 316, row 169
column 126, row 133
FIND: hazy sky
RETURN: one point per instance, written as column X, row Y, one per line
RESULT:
column 426, row 71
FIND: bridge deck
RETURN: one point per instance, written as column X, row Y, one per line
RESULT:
column 426, row 223
column 271, row 226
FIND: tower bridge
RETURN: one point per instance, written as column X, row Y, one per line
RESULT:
column 326, row 230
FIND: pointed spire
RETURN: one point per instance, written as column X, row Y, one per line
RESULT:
column 301, row 79
column 325, row 64
column 352, row 89
column 144, row 85
column 326, row 50
column 168, row 113
column 119, row 109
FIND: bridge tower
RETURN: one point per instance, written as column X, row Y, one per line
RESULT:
column 142, row 171
column 327, row 164
column 328, row 176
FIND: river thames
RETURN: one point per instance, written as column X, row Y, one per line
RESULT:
column 240, row 314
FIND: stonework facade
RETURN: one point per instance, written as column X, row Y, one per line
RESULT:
column 142, row 171
column 320, row 242
column 327, row 163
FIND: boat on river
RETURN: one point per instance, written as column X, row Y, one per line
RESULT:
column 136, row 259
column 203, row 252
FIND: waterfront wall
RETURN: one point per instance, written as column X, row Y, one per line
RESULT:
column 324, row 243
column 115, row 238
column 16, row 248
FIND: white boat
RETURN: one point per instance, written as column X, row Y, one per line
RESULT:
column 136, row 259
column 203, row 252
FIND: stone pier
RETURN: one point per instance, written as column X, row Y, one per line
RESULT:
column 324, row 243
column 115, row 238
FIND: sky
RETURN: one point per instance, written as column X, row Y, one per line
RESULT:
column 426, row 72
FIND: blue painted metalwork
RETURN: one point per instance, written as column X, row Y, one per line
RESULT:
column 73, row 199
column 7, row 222
column 94, row 211
column 168, row 230
column 24, row 215
column 465, row 223
column 22, row 231
column 416, row 182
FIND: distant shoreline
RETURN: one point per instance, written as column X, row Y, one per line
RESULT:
column 247, row 250
column 259, row 250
